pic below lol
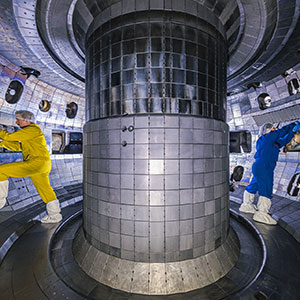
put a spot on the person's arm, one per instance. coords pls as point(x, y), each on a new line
point(282, 141)
point(286, 133)
point(13, 146)
point(286, 129)
point(24, 134)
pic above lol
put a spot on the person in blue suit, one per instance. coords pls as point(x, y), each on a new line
point(266, 156)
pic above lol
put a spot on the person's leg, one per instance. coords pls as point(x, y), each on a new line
point(43, 187)
point(3, 192)
point(248, 198)
point(15, 170)
point(42, 184)
point(265, 188)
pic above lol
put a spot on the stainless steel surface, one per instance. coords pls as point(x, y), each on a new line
point(157, 278)
point(143, 203)
point(26, 274)
point(238, 278)
point(166, 63)
point(140, 69)
point(275, 24)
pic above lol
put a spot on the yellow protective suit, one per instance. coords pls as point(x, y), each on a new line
point(36, 159)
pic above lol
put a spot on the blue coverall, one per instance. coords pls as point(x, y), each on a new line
point(266, 156)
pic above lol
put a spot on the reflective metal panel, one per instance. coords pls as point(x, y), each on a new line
point(153, 53)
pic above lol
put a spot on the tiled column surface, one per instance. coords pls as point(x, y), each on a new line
point(156, 62)
point(163, 196)
point(157, 193)
point(156, 141)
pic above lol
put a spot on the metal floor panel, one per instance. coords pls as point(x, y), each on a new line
point(280, 278)
point(26, 272)
point(239, 277)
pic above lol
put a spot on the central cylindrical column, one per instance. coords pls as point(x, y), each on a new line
point(156, 147)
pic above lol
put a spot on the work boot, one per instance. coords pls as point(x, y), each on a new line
point(262, 215)
point(247, 206)
point(3, 192)
point(53, 210)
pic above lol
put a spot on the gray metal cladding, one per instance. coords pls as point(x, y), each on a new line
point(163, 196)
point(156, 278)
point(156, 146)
point(156, 62)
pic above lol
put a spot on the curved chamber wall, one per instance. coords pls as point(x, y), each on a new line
point(156, 141)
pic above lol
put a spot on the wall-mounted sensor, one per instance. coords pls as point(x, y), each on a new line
point(44, 105)
point(14, 91)
point(71, 110)
point(293, 86)
point(264, 101)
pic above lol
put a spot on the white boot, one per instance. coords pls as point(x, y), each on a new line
point(262, 215)
point(3, 192)
point(247, 206)
point(53, 211)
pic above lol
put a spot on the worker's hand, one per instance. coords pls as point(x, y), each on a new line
point(297, 126)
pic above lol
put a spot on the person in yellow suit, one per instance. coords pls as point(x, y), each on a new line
point(36, 163)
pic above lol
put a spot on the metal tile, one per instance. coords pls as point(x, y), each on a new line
point(156, 198)
point(157, 279)
point(186, 242)
point(127, 196)
point(141, 182)
point(114, 240)
point(156, 182)
point(141, 213)
point(141, 166)
point(171, 167)
point(141, 244)
point(127, 242)
point(141, 280)
point(186, 196)
point(172, 213)
point(171, 197)
point(174, 278)
point(156, 244)
point(127, 212)
point(141, 197)
point(127, 227)
point(110, 271)
point(171, 182)
point(142, 229)
point(123, 280)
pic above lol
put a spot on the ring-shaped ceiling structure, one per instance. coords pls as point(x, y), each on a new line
point(262, 35)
